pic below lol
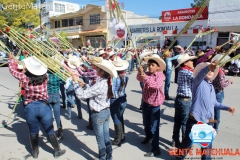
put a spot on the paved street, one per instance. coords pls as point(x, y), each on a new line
point(80, 143)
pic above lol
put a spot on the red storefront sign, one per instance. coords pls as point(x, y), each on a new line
point(183, 15)
point(120, 33)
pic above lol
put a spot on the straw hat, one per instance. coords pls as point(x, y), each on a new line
point(178, 46)
point(166, 54)
point(120, 64)
point(34, 66)
point(200, 54)
point(200, 66)
point(74, 60)
point(96, 60)
point(145, 54)
point(101, 52)
point(110, 54)
point(159, 60)
point(108, 67)
point(219, 56)
point(183, 58)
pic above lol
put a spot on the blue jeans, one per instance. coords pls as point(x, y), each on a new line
point(63, 94)
point(100, 122)
point(187, 142)
point(167, 82)
point(54, 102)
point(70, 97)
point(219, 97)
point(151, 120)
point(176, 74)
point(89, 110)
point(182, 107)
point(142, 85)
point(117, 107)
point(130, 66)
point(37, 113)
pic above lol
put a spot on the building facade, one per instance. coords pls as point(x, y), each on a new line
point(89, 24)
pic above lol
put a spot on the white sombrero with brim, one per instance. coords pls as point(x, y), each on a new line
point(74, 60)
point(120, 64)
point(108, 67)
point(200, 66)
point(145, 54)
point(184, 58)
point(110, 54)
point(159, 60)
point(35, 66)
point(101, 52)
point(178, 46)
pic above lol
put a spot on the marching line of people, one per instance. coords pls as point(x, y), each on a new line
point(100, 78)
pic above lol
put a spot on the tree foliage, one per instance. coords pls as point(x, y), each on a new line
point(64, 35)
point(197, 3)
point(19, 13)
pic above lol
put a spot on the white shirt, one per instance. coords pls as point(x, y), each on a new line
point(204, 48)
point(97, 94)
point(155, 51)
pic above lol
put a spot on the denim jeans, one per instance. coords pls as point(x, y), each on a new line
point(151, 120)
point(219, 97)
point(117, 107)
point(101, 127)
point(70, 97)
point(182, 107)
point(37, 113)
point(54, 102)
point(130, 66)
point(135, 63)
point(167, 82)
point(122, 109)
point(142, 85)
point(176, 75)
point(63, 94)
point(187, 142)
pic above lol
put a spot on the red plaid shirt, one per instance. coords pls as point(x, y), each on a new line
point(152, 90)
point(32, 93)
point(219, 83)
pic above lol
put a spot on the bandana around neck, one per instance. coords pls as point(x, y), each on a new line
point(186, 68)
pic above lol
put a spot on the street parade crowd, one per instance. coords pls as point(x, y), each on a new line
point(100, 77)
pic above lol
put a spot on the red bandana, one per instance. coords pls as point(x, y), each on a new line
point(186, 68)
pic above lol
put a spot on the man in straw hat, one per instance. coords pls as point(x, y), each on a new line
point(112, 55)
point(178, 51)
point(36, 108)
point(103, 54)
point(203, 104)
point(99, 95)
point(153, 97)
point(184, 94)
point(219, 83)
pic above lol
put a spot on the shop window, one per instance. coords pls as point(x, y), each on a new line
point(198, 43)
point(57, 24)
point(94, 19)
point(65, 23)
point(70, 22)
point(59, 7)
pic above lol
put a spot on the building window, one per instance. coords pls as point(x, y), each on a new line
point(70, 22)
point(79, 21)
point(57, 24)
point(65, 23)
point(94, 19)
point(59, 8)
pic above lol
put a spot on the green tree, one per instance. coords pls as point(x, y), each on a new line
point(64, 35)
point(197, 3)
point(19, 13)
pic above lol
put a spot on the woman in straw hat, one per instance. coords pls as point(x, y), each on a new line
point(118, 102)
point(71, 67)
point(153, 97)
point(168, 61)
point(203, 104)
point(36, 110)
point(100, 94)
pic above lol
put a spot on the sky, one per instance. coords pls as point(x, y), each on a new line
point(151, 8)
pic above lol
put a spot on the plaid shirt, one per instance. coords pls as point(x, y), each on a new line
point(53, 83)
point(152, 90)
point(97, 94)
point(32, 93)
point(219, 82)
point(185, 83)
point(91, 75)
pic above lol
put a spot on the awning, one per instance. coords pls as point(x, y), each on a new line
point(73, 37)
point(93, 31)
